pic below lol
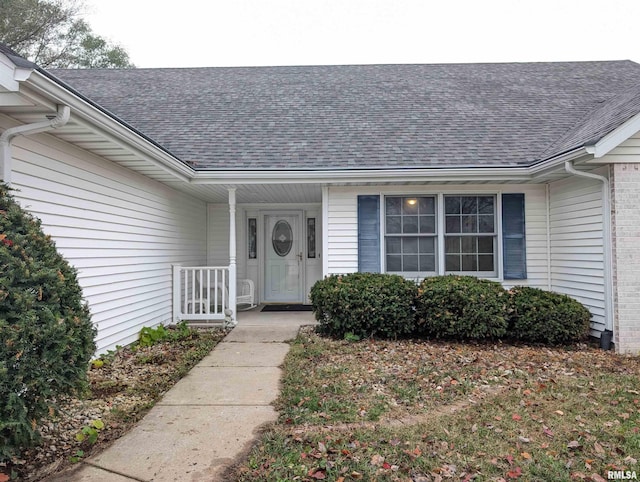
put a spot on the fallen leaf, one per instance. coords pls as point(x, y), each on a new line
point(4, 477)
point(598, 448)
point(574, 444)
point(597, 478)
point(386, 465)
point(526, 455)
point(516, 417)
point(547, 432)
point(356, 475)
point(377, 460)
point(317, 474)
point(524, 440)
point(515, 473)
point(559, 412)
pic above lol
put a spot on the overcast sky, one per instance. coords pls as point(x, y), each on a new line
point(200, 33)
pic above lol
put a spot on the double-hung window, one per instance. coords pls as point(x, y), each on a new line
point(423, 238)
point(410, 235)
point(470, 236)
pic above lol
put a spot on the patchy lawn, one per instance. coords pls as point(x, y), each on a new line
point(428, 411)
point(124, 385)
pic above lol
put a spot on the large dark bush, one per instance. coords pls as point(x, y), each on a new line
point(462, 307)
point(46, 334)
point(365, 304)
point(547, 317)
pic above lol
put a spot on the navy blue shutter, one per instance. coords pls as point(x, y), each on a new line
point(513, 237)
point(369, 234)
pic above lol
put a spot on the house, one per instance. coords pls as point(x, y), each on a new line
point(527, 173)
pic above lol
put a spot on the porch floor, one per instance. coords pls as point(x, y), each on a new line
point(211, 416)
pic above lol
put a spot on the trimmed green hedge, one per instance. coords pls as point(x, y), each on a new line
point(546, 317)
point(46, 334)
point(461, 307)
point(451, 307)
point(364, 304)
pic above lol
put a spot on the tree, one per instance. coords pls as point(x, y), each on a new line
point(46, 333)
point(52, 34)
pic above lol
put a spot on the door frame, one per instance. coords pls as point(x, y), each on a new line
point(262, 241)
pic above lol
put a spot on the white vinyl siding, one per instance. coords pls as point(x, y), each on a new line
point(120, 230)
point(576, 232)
point(342, 223)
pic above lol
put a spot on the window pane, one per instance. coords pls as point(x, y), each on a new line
point(485, 204)
point(252, 238)
point(485, 224)
point(469, 262)
point(410, 224)
point(427, 205)
point(393, 205)
point(452, 262)
point(410, 263)
point(427, 224)
point(452, 224)
point(394, 245)
point(410, 245)
point(427, 263)
point(469, 205)
point(485, 262)
point(394, 263)
point(485, 244)
point(469, 224)
point(410, 205)
point(394, 224)
point(452, 244)
point(427, 245)
point(469, 244)
point(452, 205)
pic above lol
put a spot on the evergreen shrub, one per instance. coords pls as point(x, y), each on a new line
point(546, 317)
point(461, 307)
point(364, 305)
point(46, 334)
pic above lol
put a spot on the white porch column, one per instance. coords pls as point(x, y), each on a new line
point(232, 253)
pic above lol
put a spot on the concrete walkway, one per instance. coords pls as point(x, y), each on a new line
point(208, 418)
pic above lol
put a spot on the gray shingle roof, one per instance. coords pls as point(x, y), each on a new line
point(368, 116)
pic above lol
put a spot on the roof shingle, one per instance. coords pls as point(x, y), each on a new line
point(368, 116)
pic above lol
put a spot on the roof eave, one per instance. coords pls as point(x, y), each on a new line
point(112, 127)
point(601, 147)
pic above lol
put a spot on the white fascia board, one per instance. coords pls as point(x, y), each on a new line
point(362, 175)
point(116, 131)
point(615, 137)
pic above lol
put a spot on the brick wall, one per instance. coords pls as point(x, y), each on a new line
point(625, 220)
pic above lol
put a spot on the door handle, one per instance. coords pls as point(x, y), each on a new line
point(299, 255)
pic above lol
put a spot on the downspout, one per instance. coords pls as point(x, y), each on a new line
point(64, 112)
point(606, 240)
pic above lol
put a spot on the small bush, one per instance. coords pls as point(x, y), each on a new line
point(547, 317)
point(364, 305)
point(46, 334)
point(462, 307)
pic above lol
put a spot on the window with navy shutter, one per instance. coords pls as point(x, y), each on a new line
point(369, 234)
point(513, 237)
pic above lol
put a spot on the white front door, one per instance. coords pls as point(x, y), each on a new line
point(283, 258)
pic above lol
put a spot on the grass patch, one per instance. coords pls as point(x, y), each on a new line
point(413, 410)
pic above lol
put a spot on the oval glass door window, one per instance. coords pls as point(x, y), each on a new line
point(282, 238)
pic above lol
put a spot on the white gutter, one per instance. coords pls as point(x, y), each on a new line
point(606, 239)
point(64, 112)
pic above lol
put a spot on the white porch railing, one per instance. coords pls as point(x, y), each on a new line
point(201, 294)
